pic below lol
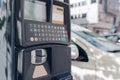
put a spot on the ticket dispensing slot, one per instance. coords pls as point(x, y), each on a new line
point(38, 56)
point(33, 64)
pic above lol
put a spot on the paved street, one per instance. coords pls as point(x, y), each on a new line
point(81, 73)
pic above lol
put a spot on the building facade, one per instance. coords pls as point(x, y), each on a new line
point(82, 11)
point(97, 15)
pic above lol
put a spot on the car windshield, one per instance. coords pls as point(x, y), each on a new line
point(97, 41)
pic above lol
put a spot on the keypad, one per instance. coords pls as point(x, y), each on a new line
point(46, 33)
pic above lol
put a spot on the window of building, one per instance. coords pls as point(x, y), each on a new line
point(75, 4)
point(71, 5)
point(71, 17)
point(83, 3)
point(79, 16)
point(93, 1)
point(84, 15)
point(75, 16)
point(79, 4)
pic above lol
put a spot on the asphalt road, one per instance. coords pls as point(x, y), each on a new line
point(80, 73)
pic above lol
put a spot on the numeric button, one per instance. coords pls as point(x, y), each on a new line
point(35, 30)
point(31, 39)
point(36, 39)
point(31, 30)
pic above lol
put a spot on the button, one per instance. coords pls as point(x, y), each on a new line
point(40, 39)
point(43, 39)
point(42, 30)
point(35, 30)
point(58, 35)
point(53, 39)
point(49, 34)
point(60, 31)
point(53, 35)
point(31, 30)
point(35, 26)
point(31, 39)
point(60, 28)
point(41, 26)
point(46, 30)
point(49, 38)
point(38, 30)
point(48, 27)
point(63, 39)
point(63, 28)
point(35, 34)
point(46, 38)
point(30, 25)
point(38, 26)
point(36, 39)
point(55, 27)
point(39, 34)
point(51, 26)
point(43, 35)
point(52, 31)
point(46, 34)
point(64, 35)
point(63, 31)
point(58, 38)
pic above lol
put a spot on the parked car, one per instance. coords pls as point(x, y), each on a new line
point(114, 37)
point(96, 58)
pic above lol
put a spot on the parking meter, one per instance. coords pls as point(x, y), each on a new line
point(38, 35)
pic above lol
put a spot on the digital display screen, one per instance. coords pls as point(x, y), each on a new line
point(35, 10)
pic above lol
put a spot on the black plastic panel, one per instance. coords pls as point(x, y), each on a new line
point(61, 60)
point(58, 63)
point(26, 68)
point(35, 33)
point(66, 76)
point(25, 38)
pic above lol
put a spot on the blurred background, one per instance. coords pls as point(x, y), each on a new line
point(95, 39)
point(100, 16)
